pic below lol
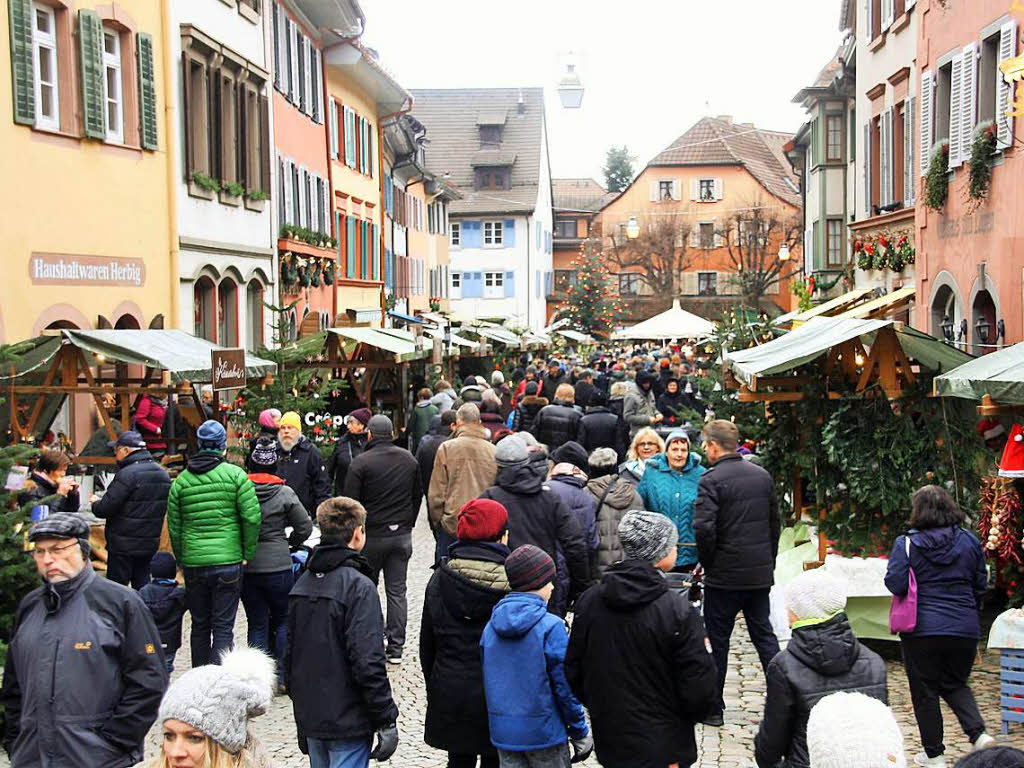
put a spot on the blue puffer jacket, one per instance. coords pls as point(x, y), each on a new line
point(951, 579)
point(674, 494)
point(529, 703)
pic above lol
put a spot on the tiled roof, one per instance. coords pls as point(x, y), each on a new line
point(491, 117)
point(492, 157)
point(578, 195)
point(453, 143)
point(719, 141)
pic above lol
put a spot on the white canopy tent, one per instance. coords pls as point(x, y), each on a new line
point(674, 323)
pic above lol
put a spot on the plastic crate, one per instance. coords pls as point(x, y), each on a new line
point(1011, 688)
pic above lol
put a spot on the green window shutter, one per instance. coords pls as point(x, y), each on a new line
point(90, 53)
point(22, 65)
point(350, 246)
point(376, 252)
point(147, 91)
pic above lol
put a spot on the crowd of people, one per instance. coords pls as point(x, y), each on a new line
point(607, 495)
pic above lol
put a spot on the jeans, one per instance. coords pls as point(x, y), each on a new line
point(211, 595)
point(338, 753)
point(463, 760)
point(721, 606)
point(939, 667)
point(125, 569)
point(391, 554)
point(169, 654)
point(552, 757)
point(265, 597)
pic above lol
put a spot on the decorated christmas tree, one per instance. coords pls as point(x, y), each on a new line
point(590, 303)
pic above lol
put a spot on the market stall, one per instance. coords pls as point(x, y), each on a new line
point(673, 323)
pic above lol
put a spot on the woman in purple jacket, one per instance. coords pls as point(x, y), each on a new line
point(951, 579)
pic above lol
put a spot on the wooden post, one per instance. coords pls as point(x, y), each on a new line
point(798, 496)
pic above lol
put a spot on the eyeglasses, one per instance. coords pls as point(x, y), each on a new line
point(646, 445)
point(39, 554)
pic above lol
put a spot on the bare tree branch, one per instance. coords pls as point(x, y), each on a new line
point(659, 252)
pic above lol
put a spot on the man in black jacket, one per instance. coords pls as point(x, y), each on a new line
point(348, 448)
point(822, 657)
point(134, 507)
point(583, 388)
point(554, 377)
point(538, 516)
point(599, 427)
point(441, 428)
point(636, 656)
point(300, 464)
point(385, 479)
point(737, 528)
point(334, 630)
point(559, 422)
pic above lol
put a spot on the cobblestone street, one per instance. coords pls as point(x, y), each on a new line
point(728, 747)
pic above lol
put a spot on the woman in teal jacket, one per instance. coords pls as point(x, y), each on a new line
point(669, 486)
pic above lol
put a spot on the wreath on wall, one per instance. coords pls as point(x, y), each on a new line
point(889, 250)
point(936, 182)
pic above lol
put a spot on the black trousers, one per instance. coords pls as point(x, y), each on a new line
point(128, 569)
point(391, 554)
point(939, 667)
point(461, 760)
point(721, 607)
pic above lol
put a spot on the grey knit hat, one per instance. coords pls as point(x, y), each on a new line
point(219, 699)
point(510, 451)
point(647, 536)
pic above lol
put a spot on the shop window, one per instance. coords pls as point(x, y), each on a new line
point(202, 307)
point(227, 313)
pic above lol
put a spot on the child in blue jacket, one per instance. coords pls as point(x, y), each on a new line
point(531, 710)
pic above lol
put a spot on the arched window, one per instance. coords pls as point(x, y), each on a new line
point(254, 315)
point(126, 321)
point(203, 308)
point(227, 313)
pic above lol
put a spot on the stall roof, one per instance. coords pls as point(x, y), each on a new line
point(180, 353)
point(404, 349)
point(494, 333)
point(883, 305)
point(461, 341)
point(582, 338)
point(820, 334)
point(826, 308)
point(998, 374)
point(404, 317)
point(674, 323)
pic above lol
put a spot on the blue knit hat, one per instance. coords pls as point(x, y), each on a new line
point(211, 436)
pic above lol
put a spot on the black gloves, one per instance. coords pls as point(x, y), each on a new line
point(387, 743)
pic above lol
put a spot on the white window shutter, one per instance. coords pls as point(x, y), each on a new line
point(969, 99)
point(925, 98)
point(1004, 90)
point(332, 126)
point(808, 252)
point(909, 180)
point(282, 49)
point(868, 19)
point(694, 189)
point(719, 189)
point(888, 11)
point(318, 72)
point(867, 169)
point(885, 158)
point(695, 236)
point(677, 191)
point(718, 237)
point(909, 4)
point(689, 286)
point(956, 91)
point(289, 214)
point(307, 52)
point(653, 191)
point(293, 77)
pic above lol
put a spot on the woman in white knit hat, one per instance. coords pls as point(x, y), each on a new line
point(205, 713)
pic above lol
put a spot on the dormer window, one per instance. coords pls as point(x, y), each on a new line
point(490, 135)
point(493, 178)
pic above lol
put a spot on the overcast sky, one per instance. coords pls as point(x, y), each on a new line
point(650, 68)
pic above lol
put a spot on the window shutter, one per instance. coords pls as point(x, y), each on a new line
point(925, 96)
point(968, 99)
point(350, 246)
point(265, 144)
point(869, 18)
point(695, 236)
point(909, 181)
point(717, 237)
point(677, 189)
point(375, 235)
point(307, 80)
point(369, 149)
point(350, 138)
point(719, 189)
point(508, 233)
point(293, 75)
point(147, 91)
point(956, 91)
point(318, 76)
point(1004, 90)
point(275, 22)
point(652, 196)
point(909, 4)
point(694, 189)
point(286, 170)
point(867, 169)
point(364, 262)
point(887, 14)
point(884, 158)
point(90, 54)
point(332, 127)
point(20, 15)
point(808, 252)
point(689, 283)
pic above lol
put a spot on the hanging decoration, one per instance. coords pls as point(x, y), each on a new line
point(936, 181)
point(889, 250)
point(983, 149)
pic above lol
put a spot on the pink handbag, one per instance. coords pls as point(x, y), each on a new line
point(903, 611)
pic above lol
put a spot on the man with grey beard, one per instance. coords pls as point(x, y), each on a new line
point(300, 464)
point(85, 671)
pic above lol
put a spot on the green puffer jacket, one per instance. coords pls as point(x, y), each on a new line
point(213, 515)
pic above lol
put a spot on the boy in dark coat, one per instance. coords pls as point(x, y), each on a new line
point(527, 409)
point(459, 599)
point(822, 657)
point(637, 656)
point(166, 601)
point(599, 427)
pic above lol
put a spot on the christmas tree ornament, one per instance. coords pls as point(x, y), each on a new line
point(1012, 463)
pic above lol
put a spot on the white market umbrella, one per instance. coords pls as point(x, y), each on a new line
point(674, 323)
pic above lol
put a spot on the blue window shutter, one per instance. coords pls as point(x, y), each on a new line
point(536, 284)
point(376, 252)
point(547, 282)
point(510, 284)
point(350, 246)
point(475, 231)
point(472, 285)
point(508, 233)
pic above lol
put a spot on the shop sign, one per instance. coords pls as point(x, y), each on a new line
point(228, 368)
point(77, 269)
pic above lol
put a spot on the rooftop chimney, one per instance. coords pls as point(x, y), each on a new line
point(520, 105)
point(725, 118)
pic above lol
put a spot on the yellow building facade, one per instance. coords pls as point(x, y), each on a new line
point(86, 230)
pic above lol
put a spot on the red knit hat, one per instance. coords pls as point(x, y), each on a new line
point(1012, 464)
point(482, 520)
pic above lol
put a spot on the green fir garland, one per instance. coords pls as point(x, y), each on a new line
point(936, 183)
point(983, 149)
